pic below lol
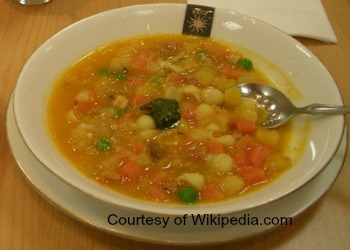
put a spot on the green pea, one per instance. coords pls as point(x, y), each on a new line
point(188, 195)
point(245, 63)
point(103, 144)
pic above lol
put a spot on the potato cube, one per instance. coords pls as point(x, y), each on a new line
point(205, 75)
point(267, 137)
point(232, 97)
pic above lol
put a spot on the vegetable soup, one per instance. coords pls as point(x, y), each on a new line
point(159, 118)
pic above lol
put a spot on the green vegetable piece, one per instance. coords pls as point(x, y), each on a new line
point(103, 144)
point(245, 63)
point(118, 112)
point(155, 80)
point(104, 71)
point(113, 112)
point(165, 112)
point(188, 195)
point(119, 75)
point(108, 73)
point(201, 54)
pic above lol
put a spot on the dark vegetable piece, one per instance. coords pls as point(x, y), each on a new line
point(165, 112)
point(188, 195)
point(245, 63)
point(156, 151)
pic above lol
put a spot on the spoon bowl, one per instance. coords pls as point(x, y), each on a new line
point(279, 108)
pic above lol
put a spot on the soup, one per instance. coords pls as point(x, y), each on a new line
point(159, 118)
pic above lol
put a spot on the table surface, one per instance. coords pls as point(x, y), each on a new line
point(29, 221)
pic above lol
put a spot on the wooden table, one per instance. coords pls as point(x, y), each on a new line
point(28, 221)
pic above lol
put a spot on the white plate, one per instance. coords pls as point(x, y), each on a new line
point(291, 57)
point(95, 213)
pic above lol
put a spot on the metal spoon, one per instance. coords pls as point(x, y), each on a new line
point(279, 108)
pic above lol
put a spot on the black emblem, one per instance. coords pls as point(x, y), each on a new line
point(198, 20)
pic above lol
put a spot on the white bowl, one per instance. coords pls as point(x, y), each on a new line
point(294, 61)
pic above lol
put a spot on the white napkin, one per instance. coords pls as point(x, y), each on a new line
point(304, 18)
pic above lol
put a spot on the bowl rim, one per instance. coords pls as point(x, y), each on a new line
point(149, 207)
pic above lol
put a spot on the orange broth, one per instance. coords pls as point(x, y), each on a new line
point(100, 116)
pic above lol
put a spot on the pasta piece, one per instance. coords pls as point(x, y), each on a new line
point(191, 90)
point(212, 96)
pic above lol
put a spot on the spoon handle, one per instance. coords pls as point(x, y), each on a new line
point(329, 109)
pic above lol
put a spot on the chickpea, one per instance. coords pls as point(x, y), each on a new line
point(145, 122)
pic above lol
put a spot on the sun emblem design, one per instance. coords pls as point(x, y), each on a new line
point(198, 20)
point(198, 23)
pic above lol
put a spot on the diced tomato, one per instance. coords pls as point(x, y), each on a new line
point(245, 126)
point(212, 192)
point(126, 117)
point(216, 51)
point(175, 78)
point(138, 147)
point(241, 158)
point(252, 175)
point(139, 62)
point(215, 147)
point(231, 72)
point(189, 114)
point(157, 192)
point(247, 141)
point(85, 98)
point(131, 170)
point(138, 100)
point(227, 70)
point(258, 155)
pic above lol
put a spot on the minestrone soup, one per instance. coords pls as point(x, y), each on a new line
point(159, 118)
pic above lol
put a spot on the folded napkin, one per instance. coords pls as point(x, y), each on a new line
point(304, 18)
